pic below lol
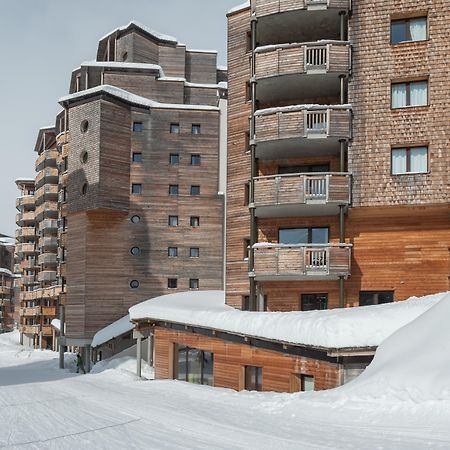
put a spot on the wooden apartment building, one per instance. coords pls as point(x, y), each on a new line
point(7, 283)
point(338, 178)
point(141, 207)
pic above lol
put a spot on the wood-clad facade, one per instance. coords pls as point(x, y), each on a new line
point(142, 211)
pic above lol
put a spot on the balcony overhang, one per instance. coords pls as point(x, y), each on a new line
point(313, 208)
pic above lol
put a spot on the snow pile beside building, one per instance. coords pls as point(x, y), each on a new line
point(364, 326)
point(413, 363)
point(111, 331)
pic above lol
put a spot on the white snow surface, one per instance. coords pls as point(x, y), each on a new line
point(112, 409)
point(56, 324)
point(113, 330)
point(239, 7)
point(134, 99)
point(364, 326)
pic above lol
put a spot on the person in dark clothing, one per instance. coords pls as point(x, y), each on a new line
point(80, 365)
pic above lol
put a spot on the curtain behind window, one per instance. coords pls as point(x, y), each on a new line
point(419, 158)
point(418, 91)
point(418, 29)
point(398, 161)
point(398, 95)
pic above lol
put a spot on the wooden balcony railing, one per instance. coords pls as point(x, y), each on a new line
point(30, 312)
point(47, 175)
point(268, 7)
point(47, 330)
point(25, 232)
point(25, 218)
point(47, 157)
point(48, 224)
point(25, 202)
point(46, 192)
point(301, 261)
point(48, 311)
point(290, 59)
point(47, 275)
point(48, 242)
point(25, 248)
point(47, 209)
point(30, 329)
point(47, 258)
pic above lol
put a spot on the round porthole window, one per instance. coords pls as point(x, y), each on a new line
point(84, 126)
point(84, 157)
point(135, 219)
point(84, 189)
point(134, 284)
point(135, 251)
point(124, 56)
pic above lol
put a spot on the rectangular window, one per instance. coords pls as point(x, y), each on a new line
point(303, 235)
point(174, 159)
point(136, 189)
point(248, 91)
point(194, 252)
point(412, 93)
point(193, 283)
point(246, 248)
point(253, 378)
point(173, 221)
point(307, 383)
point(310, 302)
point(375, 297)
point(137, 157)
point(172, 283)
point(138, 127)
point(195, 128)
point(194, 365)
point(195, 160)
point(408, 30)
point(246, 194)
point(195, 190)
point(195, 221)
point(173, 189)
point(172, 252)
point(409, 160)
point(175, 128)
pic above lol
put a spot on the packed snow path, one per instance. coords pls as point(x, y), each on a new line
point(45, 408)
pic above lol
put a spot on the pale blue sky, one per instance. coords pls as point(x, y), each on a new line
point(42, 41)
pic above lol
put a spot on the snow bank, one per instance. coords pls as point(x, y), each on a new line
point(365, 326)
point(113, 330)
point(411, 364)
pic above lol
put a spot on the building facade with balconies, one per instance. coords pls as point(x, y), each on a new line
point(7, 284)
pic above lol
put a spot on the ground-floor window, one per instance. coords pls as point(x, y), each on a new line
point(253, 378)
point(309, 302)
point(194, 365)
point(375, 297)
point(302, 382)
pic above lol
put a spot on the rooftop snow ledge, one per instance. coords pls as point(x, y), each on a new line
point(365, 326)
point(133, 99)
point(239, 7)
point(112, 331)
point(123, 65)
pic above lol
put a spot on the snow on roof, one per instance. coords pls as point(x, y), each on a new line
point(123, 65)
point(291, 108)
point(365, 326)
point(412, 363)
point(56, 323)
point(6, 271)
point(223, 84)
point(222, 67)
point(113, 330)
point(196, 50)
point(24, 180)
point(155, 34)
point(6, 240)
point(48, 127)
point(239, 7)
point(133, 99)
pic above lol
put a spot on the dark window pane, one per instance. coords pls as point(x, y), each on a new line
point(293, 236)
point(182, 366)
point(173, 221)
point(138, 127)
point(398, 31)
point(174, 159)
point(195, 160)
point(208, 368)
point(173, 189)
point(137, 157)
point(195, 358)
point(136, 189)
point(310, 302)
point(304, 169)
point(173, 251)
point(375, 297)
point(195, 190)
point(194, 252)
point(195, 221)
point(174, 127)
point(193, 283)
point(319, 236)
point(172, 283)
point(195, 128)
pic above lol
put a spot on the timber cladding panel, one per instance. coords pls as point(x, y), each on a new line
point(230, 358)
point(376, 63)
point(238, 218)
point(201, 66)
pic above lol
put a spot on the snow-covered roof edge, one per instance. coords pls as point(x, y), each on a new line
point(113, 330)
point(24, 180)
point(239, 7)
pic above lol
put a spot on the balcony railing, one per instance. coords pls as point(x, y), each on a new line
point(48, 311)
point(25, 233)
point(47, 258)
point(28, 280)
point(46, 192)
point(47, 330)
point(48, 224)
point(268, 7)
point(6, 290)
point(47, 275)
point(47, 175)
point(47, 210)
point(30, 329)
point(27, 248)
point(301, 130)
point(25, 218)
point(25, 202)
point(301, 194)
point(30, 312)
point(301, 261)
point(48, 242)
point(46, 159)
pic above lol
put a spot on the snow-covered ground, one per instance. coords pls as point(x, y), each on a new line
point(401, 402)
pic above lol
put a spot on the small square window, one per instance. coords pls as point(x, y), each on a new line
point(195, 128)
point(172, 283)
point(174, 159)
point(173, 189)
point(137, 157)
point(195, 190)
point(138, 127)
point(194, 252)
point(195, 221)
point(173, 221)
point(195, 160)
point(136, 189)
point(175, 128)
point(193, 283)
point(172, 252)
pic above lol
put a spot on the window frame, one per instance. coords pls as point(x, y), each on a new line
point(133, 185)
point(192, 219)
point(194, 248)
point(195, 190)
point(173, 126)
point(169, 220)
point(408, 93)
point(174, 250)
point(138, 127)
point(195, 156)
point(174, 155)
point(310, 230)
point(138, 161)
point(197, 127)
point(169, 282)
point(175, 189)
point(408, 160)
point(316, 295)
point(194, 283)
point(407, 21)
point(257, 386)
point(373, 293)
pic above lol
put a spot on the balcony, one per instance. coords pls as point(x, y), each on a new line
point(47, 330)
point(25, 203)
point(48, 210)
point(297, 20)
point(6, 290)
point(301, 261)
point(25, 249)
point(48, 192)
point(30, 329)
point(25, 233)
point(28, 280)
point(47, 275)
point(48, 311)
point(30, 312)
point(47, 259)
point(50, 292)
point(29, 263)
point(25, 219)
point(48, 175)
point(301, 130)
point(50, 242)
point(46, 159)
point(314, 68)
point(300, 194)
point(50, 225)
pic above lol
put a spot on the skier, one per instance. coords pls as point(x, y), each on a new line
point(80, 364)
